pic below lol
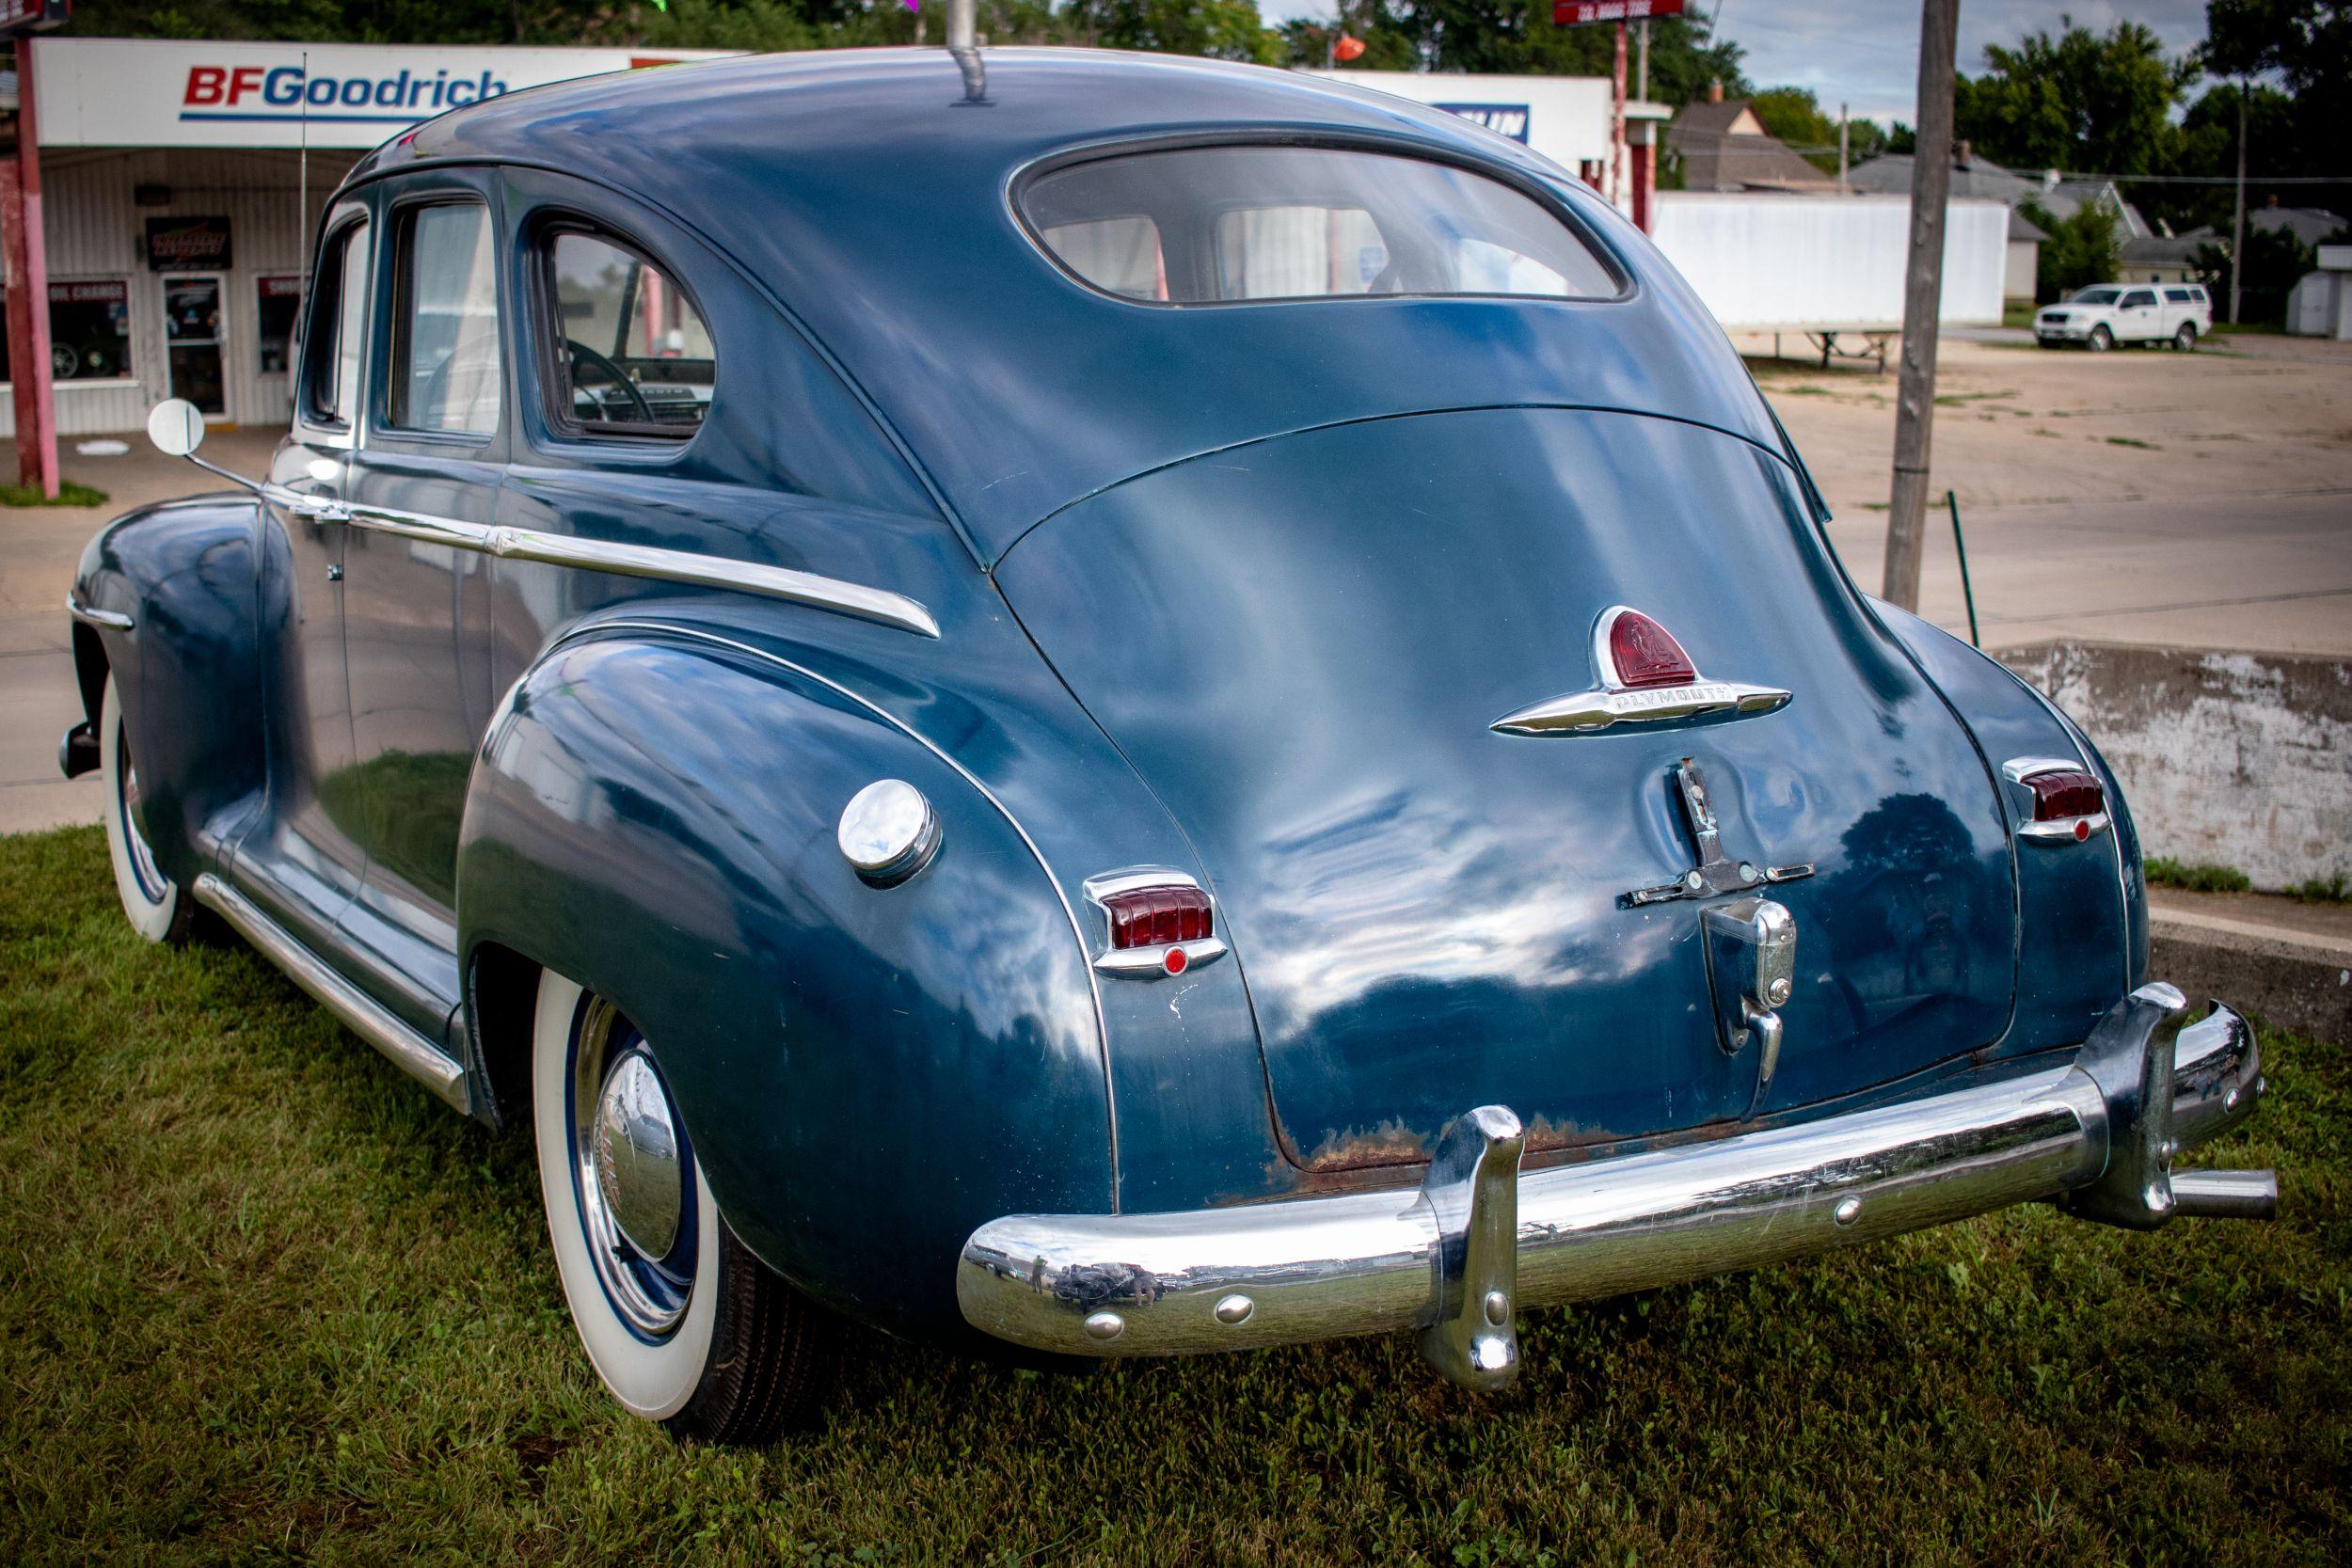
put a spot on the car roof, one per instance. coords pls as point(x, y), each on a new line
point(861, 189)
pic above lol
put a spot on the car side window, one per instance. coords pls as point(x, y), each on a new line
point(2138, 299)
point(2179, 297)
point(330, 357)
point(446, 360)
point(632, 355)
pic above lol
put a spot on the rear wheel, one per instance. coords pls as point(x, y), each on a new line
point(2186, 339)
point(683, 1324)
point(156, 905)
point(2101, 340)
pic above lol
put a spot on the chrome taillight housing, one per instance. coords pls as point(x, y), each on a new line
point(2061, 801)
point(1155, 921)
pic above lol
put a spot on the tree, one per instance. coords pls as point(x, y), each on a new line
point(2308, 44)
point(2082, 101)
point(2079, 251)
point(1518, 36)
point(1793, 116)
point(2274, 262)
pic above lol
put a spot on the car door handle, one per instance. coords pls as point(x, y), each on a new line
point(317, 509)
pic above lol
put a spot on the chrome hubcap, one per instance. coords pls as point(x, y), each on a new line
point(634, 1149)
point(633, 1169)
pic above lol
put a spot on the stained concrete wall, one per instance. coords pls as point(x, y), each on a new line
point(2227, 758)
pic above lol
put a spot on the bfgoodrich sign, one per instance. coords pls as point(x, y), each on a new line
point(140, 92)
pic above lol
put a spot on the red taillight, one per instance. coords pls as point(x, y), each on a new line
point(1647, 654)
point(1155, 916)
point(2063, 793)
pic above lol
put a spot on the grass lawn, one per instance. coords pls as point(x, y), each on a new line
point(262, 1299)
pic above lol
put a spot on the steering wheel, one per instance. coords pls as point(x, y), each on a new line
point(583, 354)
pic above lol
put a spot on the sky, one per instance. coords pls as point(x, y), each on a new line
point(1866, 52)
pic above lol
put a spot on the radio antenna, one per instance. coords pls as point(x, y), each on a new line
point(302, 182)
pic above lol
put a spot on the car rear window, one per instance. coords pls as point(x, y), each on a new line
point(1221, 225)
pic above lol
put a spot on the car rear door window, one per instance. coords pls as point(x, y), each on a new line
point(632, 356)
point(1221, 225)
point(2139, 299)
point(446, 357)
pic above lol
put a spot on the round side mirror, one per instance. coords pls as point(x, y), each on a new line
point(176, 427)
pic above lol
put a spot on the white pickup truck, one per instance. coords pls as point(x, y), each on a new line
point(2106, 314)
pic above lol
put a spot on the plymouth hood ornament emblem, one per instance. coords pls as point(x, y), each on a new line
point(1646, 678)
point(1716, 872)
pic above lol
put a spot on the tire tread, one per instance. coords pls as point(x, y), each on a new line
point(768, 1372)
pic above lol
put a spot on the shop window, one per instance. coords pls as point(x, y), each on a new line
point(278, 301)
point(634, 357)
point(330, 359)
point(446, 359)
point(89, 331)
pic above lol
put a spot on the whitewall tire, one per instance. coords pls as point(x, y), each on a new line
point(152, 902)
point(683, 1324)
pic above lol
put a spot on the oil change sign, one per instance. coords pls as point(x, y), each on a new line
point(150, 93)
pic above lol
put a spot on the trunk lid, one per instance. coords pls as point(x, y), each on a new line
point(1302, 643)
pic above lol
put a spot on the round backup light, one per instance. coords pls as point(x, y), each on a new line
point(888, 831)
point(1175, 961)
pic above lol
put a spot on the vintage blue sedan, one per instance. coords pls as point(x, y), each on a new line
point(1110, 707)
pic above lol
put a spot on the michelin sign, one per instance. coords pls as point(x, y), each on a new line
point(139, 92)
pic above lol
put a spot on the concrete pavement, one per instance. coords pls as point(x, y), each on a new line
point(39, 547)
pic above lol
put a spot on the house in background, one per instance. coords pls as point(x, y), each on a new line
point(2025, 257)
point(2321, 305)
point(1722, 145)
point(1979, 177)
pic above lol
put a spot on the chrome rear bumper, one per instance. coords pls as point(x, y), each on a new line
point(1459, 1255)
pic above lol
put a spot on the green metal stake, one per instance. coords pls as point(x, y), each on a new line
point(1952, 500)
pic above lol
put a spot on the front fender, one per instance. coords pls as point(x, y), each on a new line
point(2083, 929)
point(187, 670)
point(866, 1073)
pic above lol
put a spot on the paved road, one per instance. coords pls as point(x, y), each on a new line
point(2269, 573)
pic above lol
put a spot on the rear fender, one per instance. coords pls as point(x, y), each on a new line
point(866, 1073)
point(187, 670)
point(2082, 924)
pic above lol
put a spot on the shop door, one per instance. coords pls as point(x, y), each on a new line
point(196, 330)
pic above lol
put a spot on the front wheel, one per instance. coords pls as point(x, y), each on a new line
point(2101, 340)
point(683, 1324)
point(2186, 339)
point(157, 908)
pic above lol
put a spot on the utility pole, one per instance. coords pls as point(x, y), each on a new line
point(1923, 297)
point(2237, 223)
point(1643, 91)
point(1842, 124)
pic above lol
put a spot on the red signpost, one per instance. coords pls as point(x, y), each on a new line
point(27, 261)
point(1582, 13)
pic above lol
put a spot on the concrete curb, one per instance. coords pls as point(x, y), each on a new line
point(2287, 979)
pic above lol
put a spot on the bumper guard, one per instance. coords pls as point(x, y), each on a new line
point(1459, 1256)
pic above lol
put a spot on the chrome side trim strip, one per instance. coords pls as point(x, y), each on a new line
point(634, 561)
point(409, 1050)
point(113, 620)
